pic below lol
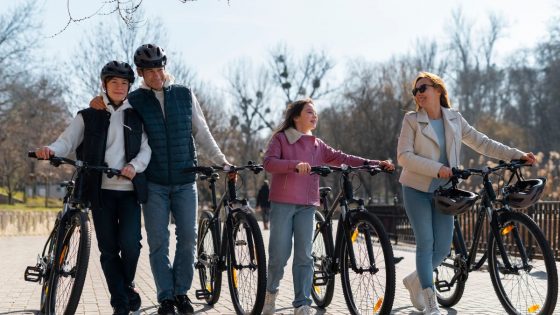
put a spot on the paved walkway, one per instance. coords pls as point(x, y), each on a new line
point(20, 297)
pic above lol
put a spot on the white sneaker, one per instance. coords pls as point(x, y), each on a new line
point(303, 310)
point(430, 300)
point(412, 284)
point(269, 303)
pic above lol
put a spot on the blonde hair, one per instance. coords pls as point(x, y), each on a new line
point(438, 84)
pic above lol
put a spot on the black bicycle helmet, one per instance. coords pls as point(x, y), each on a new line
point(525, 193)
point(453, 201)
point(117, 69)
point(150, 56)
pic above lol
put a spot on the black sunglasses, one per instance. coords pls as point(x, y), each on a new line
point(421, 89)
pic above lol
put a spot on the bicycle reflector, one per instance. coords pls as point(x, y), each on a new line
point(525, 193)
point(453, 201)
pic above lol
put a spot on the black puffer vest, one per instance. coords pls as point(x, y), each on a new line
point(92, 151)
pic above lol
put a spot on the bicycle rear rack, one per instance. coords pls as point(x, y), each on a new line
point(33, 274)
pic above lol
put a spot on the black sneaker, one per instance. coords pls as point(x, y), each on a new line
point(166, 307)
point(120, 310)
point(183, 305)
point(134, 300)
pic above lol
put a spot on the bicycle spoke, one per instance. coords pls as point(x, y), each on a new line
point(246, 271)
point(524, 283)
point(370, 285)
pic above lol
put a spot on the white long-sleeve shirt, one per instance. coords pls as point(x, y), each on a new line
point(71, 138)
point(201, 132)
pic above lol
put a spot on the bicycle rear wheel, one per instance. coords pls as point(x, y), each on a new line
point(370, 289)
point(70, 265)
point(246, 264)
point(209, 272)
point(449, 293)
point(522, 267)
point(323, 255)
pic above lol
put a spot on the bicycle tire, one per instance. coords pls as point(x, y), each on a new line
point(537, 285)
point(247, 278)
point(367, 229)
point(445, 272)
point(323, 256)
point(70, 265)
point(208, 258)
point(48, 258)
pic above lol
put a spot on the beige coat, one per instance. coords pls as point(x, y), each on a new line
point(418, 150)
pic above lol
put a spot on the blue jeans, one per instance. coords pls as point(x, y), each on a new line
point(181, 201)
point(433, 231)
point(287, 220)
point(117, 228)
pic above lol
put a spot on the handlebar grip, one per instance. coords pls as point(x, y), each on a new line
point(31, 154)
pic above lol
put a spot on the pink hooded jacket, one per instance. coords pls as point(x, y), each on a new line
point(290, 147)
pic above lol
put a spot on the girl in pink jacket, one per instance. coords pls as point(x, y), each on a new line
point(294, 195)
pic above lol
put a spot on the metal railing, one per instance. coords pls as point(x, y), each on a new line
point(545, 213)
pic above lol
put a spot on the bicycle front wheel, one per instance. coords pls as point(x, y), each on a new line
point(522, 267)
point(323, 254)
point(209, 272)
point(369, 286)
point(70, 265)
point(246, 264)
point(47, 258)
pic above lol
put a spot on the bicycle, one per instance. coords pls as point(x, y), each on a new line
point(238, 247)
point(362, 253)
point(520, 261)
point(62, 266)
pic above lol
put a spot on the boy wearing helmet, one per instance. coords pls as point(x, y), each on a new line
point(114, 137)
point(173, 119)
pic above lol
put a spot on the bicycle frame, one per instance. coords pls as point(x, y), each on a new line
point(230, 205)
point(486, 209)
point(344, 199)
point(50, 267)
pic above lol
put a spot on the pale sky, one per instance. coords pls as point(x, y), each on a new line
point(210, 34)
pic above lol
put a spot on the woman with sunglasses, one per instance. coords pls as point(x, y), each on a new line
point(429, 146)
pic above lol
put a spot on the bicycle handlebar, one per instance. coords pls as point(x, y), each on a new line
point(56, 161)
point(326, 170)
point(466, 173)
point(208, 170)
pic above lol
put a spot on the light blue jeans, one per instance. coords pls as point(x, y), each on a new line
point(181, 201)
point(287, 220)
point(433, 231)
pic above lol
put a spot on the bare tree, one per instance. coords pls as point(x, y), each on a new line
point(36, 115)
point(109, 41)
point(127, 12)
point(250, 93)
point(300, 78)
point(18, 40)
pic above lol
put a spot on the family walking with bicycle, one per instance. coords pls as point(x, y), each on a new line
point(146, 138)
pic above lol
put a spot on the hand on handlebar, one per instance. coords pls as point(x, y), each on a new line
point(387, 165)
point(529, 158)
point(445, 172)
point(128, 171)
point(303, 168)
point(44, 153)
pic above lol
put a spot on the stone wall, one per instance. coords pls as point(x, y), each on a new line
point(26, 222)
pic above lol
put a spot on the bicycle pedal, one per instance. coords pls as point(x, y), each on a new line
point(33, 274)
point(202, 294)
point(320, 278)
point(442, 286)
